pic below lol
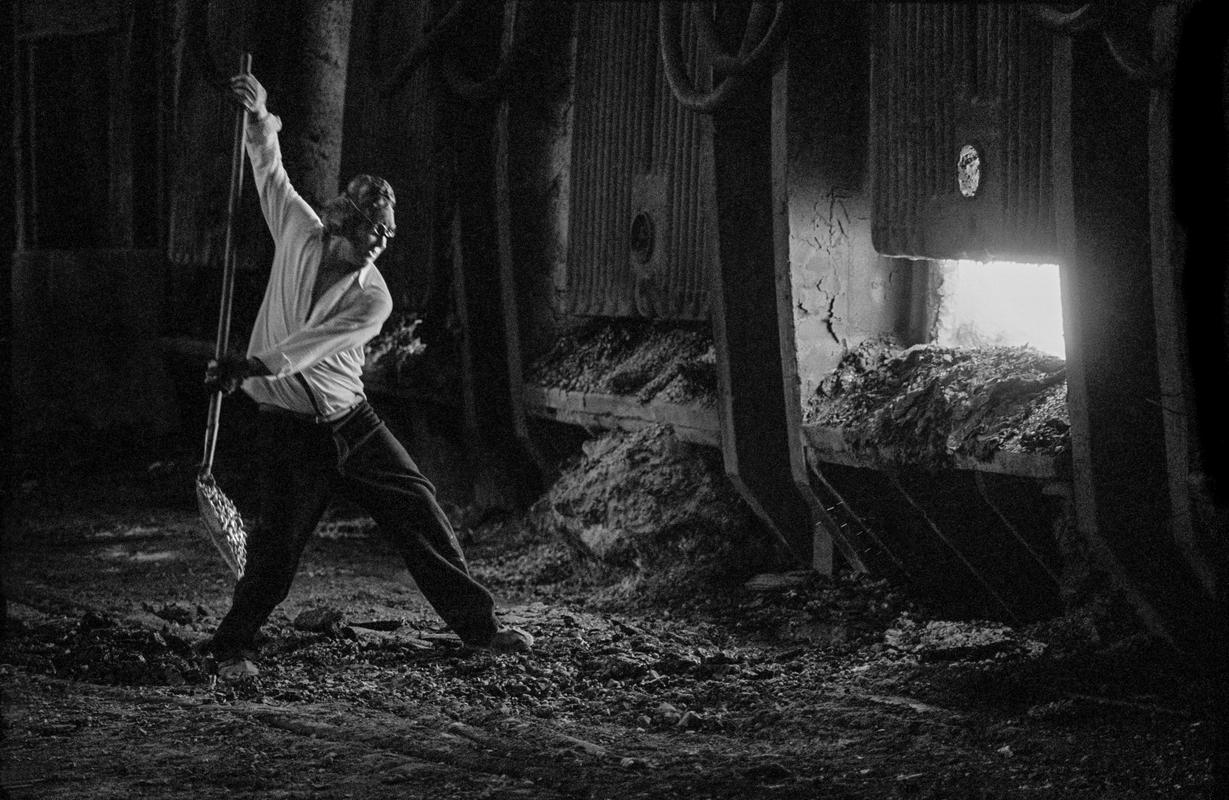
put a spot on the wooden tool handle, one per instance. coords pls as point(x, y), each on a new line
point(228, 273)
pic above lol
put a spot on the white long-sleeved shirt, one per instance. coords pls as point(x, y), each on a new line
point(323, 343)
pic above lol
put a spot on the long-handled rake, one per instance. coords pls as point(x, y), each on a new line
point(219, 515)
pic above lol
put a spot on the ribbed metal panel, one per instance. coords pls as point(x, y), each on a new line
point(945, 75)
point(635, 152)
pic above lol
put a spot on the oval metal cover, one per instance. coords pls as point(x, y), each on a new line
point(968, 170)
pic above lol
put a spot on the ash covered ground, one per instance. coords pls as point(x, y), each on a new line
point(677, 659)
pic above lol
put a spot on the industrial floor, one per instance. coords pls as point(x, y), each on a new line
point(787, 686)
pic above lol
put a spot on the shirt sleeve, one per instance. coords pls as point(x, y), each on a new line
point(352, 325)
point(283, 208)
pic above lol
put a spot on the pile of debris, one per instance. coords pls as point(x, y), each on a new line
point(927, 404)
point(100, 649)
point(950, 640)
point(652, 361)
point(655, 511)
point(841, 612)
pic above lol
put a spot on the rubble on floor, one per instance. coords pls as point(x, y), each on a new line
point(100, 649)
point(947, 640)
point(778, 684)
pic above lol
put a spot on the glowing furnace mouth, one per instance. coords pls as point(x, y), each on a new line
point(1000, 304)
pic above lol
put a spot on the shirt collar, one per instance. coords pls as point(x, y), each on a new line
point(365, 272)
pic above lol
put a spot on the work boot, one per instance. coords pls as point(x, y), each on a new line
point(507, 640)
point(229, 663)
point(237, 669)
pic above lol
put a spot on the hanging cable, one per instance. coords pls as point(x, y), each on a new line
point(764, 33)
point(731, 73)
point(446, 27)
point(496, 84)
point(436, 43)
point(1149, 70)
point(1139, 67)
point(668, 30)
point(1067, 22)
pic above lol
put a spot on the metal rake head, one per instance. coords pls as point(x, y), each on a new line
point(222, 523)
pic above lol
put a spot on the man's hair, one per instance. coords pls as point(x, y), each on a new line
point(364, 195)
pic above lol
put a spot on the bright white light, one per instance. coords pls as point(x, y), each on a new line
point(1000, 303)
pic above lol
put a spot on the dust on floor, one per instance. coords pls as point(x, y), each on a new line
point(784, 686)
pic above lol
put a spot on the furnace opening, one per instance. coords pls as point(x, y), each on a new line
point(999, 304)
point(986, 388)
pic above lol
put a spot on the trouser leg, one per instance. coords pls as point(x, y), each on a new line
point(297, 464)
point(379, 475)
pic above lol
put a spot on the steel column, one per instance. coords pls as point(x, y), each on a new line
point(1121, 490)
point(753, 323)
point(475, 140)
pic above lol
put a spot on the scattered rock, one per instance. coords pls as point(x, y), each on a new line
point(778, 581)
point(319, 620)
point(768, 772)
point(818, 633)
point(943, 640)
point(668, 714)
point(621, 668)
point(690, 721)
point(379, 624)
point(179, 614)
point(1052, 710)
point(676, 664)
point(92, 620)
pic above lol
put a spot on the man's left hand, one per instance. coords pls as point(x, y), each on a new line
point(226, 374)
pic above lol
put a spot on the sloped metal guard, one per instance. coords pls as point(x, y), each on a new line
point(636, 233)
point(961, 126)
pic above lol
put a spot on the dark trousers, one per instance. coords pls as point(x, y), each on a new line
point(302, 464)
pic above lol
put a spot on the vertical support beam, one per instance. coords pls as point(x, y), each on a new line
point(30, 210)
point(1121, 491)
point(17, 62)
point(492, 394)
point(514, 368)
point(10, 216)
point(1200, 182)
point(164, 119)
point(1167, 280)
point(119, 134)
point(468, 129)
point(312, 145)
point(10, 160)
point(753, 323)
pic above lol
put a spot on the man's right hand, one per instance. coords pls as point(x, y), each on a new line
point(251, 95)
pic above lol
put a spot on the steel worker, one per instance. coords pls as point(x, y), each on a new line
point(317, 434)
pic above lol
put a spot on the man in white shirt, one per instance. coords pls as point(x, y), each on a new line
point(325, 299)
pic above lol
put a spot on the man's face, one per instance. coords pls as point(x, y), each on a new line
point(375, 230)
